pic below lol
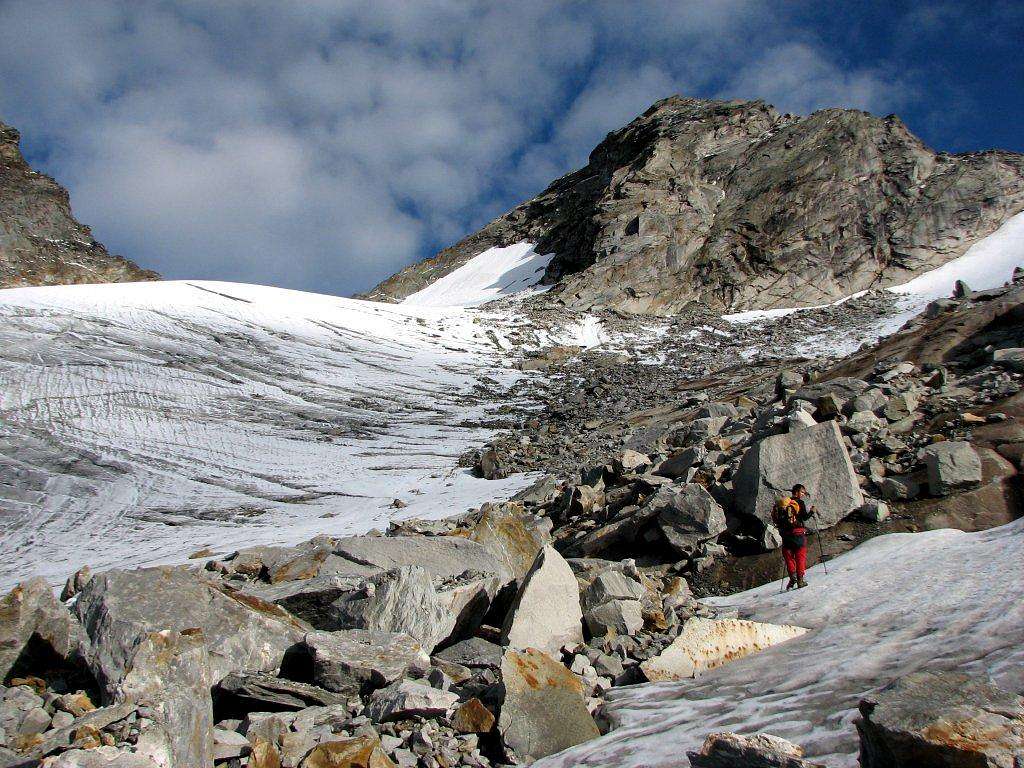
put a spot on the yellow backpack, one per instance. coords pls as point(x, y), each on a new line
point(784, 515)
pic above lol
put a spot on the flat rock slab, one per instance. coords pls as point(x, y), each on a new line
point(546, 613)
point(358, 661)
point(544, 711)
point(406, 698)
point(474, 652)
point(263, 692)
point(815, 457)
point(441, 556)
point(708, 643)
point(928, 719)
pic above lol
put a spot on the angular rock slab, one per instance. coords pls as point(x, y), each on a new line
point(815, 457)
point(704, 644)
point(169, 672)
point(930, 719)
point(31, 609)
point(358, 661)
point(688, 516)
point(117, 608)
point(400, 600)
point(546, 613)
point(544, 711)
point(730, 750)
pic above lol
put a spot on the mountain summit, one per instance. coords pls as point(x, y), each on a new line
point(41, 243)
point(732, 204)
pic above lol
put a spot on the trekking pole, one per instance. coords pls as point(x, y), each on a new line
point(821, 551)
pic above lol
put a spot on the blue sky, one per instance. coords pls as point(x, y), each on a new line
point(322, 145)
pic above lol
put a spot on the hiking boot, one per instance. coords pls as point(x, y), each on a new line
point(801, 584)
point(791, 584)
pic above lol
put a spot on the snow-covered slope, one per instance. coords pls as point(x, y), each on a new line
point(896, 604)
point(141, 422)
point(495, 273)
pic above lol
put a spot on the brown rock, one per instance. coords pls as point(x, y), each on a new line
point(264, 755)
point(473, 717)
point(360, 752)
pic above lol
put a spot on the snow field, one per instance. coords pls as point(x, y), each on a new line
point(896, 604)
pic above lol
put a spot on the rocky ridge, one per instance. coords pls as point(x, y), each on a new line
point(41, 243)
point(734, 206)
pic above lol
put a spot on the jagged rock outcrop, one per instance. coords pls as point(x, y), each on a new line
point(41, 243)
point(734, 205)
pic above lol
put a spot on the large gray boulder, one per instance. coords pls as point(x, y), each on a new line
point(358, 661)
point(688, 516)
point(546, 612)
point(119, 608)
point(730, 750)
point(400, 600)
point(815, 457)
point(933, 720)
point(952, 466)
point(544, 711)
point(169, 673)
point(31, 609)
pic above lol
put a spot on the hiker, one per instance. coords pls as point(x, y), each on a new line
point(789, 516)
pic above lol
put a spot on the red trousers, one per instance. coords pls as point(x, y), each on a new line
point(796, 561)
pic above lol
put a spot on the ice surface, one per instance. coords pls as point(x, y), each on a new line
point(492, 274)
point(894, 605)
point(141, 422)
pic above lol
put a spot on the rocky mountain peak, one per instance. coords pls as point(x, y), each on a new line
point(41, 243)
point(734, 205)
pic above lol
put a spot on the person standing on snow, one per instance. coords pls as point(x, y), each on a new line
point(789, 516)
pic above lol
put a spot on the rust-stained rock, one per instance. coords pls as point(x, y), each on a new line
point(264, 755)
point(473, 717)
point(933, 720)
point(544, 710)
point(708, 643)
point(510, 535)
point(360, 752)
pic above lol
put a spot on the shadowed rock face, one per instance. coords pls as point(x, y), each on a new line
point(731, 204)
point(41, 243)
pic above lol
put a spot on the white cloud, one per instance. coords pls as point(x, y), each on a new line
point(321, 144)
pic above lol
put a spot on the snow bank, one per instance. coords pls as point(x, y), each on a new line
point(896, 604)
point(141, 422)
point(494, 273)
